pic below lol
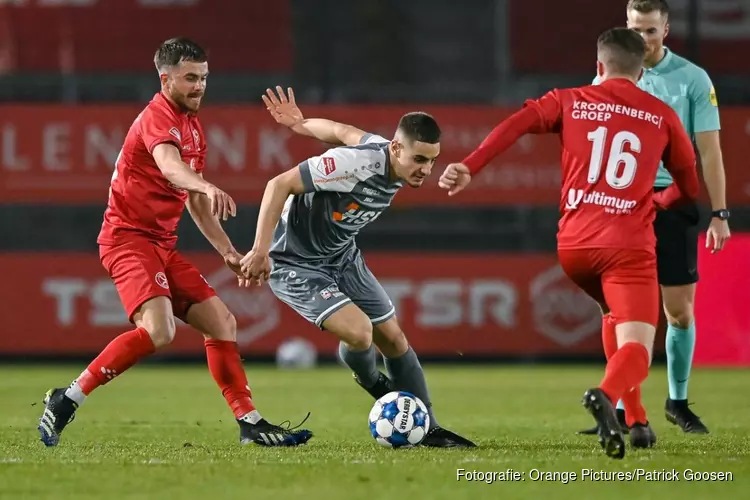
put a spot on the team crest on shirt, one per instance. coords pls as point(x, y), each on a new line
point(712, 97)
point(175, 133)
point(161, 280)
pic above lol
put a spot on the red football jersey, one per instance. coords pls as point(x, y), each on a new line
point(613, 137)
point(142, 202)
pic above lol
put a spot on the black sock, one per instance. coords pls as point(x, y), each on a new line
point(362, 363)
point(407, 375)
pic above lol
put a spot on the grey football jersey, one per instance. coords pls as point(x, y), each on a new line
point(346, 188)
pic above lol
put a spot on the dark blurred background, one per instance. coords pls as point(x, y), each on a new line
point(475, 276)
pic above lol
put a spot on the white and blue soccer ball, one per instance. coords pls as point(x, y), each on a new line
point(399, 420)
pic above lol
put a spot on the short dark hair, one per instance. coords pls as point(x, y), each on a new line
point(622, 50)
point(648, 6)
point(419, 126)
point(176, 50)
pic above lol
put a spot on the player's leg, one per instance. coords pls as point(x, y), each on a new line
point(631, 291)
point(196, 303)
point(677, 261)
point(137, 270)
point(401, 362)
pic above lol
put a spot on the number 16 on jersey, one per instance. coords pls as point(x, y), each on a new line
point(621, 165)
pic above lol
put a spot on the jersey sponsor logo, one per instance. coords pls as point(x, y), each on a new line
point(353, 215)
point(327, 166)
point(712, 97)
point(175, 133)
point(602, 112)
point(611, 204)
point(161, 280)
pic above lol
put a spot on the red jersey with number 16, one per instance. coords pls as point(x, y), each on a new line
point(613, 137)
point(142, 202)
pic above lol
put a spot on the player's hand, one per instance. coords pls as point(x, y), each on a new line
point(233, 261)
point(256, 266)
point(222, 205)
point(455, 178)
point(284, 110)
point(717, 234)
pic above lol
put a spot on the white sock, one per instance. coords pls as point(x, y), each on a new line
point(75, 393)
point(251, 418)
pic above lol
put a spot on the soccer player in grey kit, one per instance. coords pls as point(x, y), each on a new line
point(305, 243)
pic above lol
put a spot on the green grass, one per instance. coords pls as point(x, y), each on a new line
point(166, 433)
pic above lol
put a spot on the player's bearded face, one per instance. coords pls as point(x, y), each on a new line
point(653, 27)
point(186, 83)
point(415, 160)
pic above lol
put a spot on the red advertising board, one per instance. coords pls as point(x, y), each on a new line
point(61, 154)
point(448, 305)
point(563, 40)
point(122, 35)
point(722, 305)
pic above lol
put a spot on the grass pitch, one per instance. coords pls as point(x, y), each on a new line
point(164, 432)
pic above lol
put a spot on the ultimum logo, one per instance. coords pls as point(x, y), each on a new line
point(354, 215)
point(611, 204)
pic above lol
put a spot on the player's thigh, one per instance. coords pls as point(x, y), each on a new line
point(676, 233)
point(631, 288)
point(351, 326)
point(312, 293)
point(581, 266)
point(189, 288)
point(390, 338)
point(359, 284)
point(137, 269)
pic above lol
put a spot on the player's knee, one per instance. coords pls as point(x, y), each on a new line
point(680, 316)
point(161, 333)
point(358, 337)
point(393, 345)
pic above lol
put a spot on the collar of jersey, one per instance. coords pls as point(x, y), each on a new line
point(171, 104)
point(661, 64)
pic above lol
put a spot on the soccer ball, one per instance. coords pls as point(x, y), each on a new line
point(399, 420)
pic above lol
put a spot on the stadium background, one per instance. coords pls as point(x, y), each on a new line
point(472, 277)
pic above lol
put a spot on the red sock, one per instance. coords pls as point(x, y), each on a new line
point(122, 353)
point(609, 336)
point(225, 366)
point(634, 410)
point(626, 369)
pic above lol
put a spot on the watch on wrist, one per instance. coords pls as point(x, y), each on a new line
point(721, 214)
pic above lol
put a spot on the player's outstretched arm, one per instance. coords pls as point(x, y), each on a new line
point(256, 264)
point(199, 207)
point(167, 158)
point(537, 116)
point(285, 111)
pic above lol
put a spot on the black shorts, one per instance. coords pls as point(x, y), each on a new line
point(677, 244)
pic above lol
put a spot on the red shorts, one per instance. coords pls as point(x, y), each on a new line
point(142, 270)
point(623, 280)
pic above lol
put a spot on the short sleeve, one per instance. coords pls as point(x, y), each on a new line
point(158, 127)
point(372, 139)
point(549, 109)
point(340, 169)
point(703, 103)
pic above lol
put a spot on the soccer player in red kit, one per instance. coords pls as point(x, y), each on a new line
point(157, 173)
point(613, 137)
